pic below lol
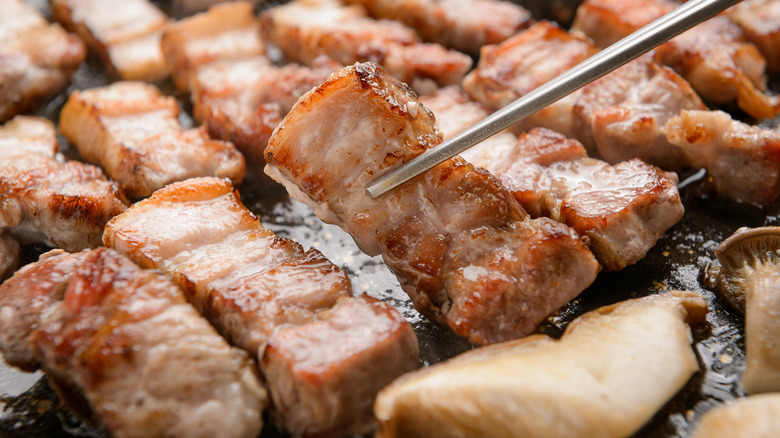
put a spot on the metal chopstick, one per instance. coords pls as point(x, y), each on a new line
point(643, 40)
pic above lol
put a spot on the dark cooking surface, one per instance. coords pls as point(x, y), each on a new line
point(28, 407)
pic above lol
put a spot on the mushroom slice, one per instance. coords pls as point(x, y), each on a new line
point(749, 278)
point(753, 417)
point(607, 376)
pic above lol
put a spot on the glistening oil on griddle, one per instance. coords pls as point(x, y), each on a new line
point(31, 409)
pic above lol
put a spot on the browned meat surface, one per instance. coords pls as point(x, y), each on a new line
point(622, 209)
point(306, 29)
point(713, 56)
point(124, 33)
point(524, 62)
point(9, 255)
point(459, 243)
point(132, 131)
point(126, 350)
point(226, 31)
point(30, 293)
point(462, 25)
point(37, 59)
point(252, 284)
point(722, 66)
point(237, 93)
point(46, 201)
point(760, 20)
point(742, 161)
point(606, 21)
point(351, 352)
point(243, 100)
point(622, 114)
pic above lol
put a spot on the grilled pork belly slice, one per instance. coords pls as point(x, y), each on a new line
point(522, 63)
point(133, 132)
point(714, 56)
point(742, 161)
point(459, 243)
point(607, 21)
point(126, 350)
point(37, 59)
point(62, 205)
point(243, 100)
point(226, 31)
point(254, 286)
point(124, 33)
point(31, 293)
point(608, 374)
point(622, 114)
point(183, 8)
point(306, 29)
point(622, 209)
point(344, 358)
point(237, 93)
point(760, 20)
point(722, 66)
point(461, 25)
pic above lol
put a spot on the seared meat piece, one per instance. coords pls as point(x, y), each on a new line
point(243, 277)
point(226, 31)
point(25, 297)
point(462, 25)
point(524, 62)
point(243, 100)
point(721, 66)
point(607, 376)
point(125, 349)
point(461, 246)
point(607, 21)
point(133, 132)
point(124, 33)
point(46, 201)
point(252, 284)
point(622, 114)
point(9, 255)
point(237, 92)
point(27, 142)
point(760, 20)
point(37, 59)
point(332, 369)
point(306, 29)
point(622, 209)
point(742, 161)
point(713, 56)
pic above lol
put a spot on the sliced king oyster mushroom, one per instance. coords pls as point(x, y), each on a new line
point(749, 279)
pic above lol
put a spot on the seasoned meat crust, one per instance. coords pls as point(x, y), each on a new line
point(461, 246)
point(125, 34)
point(132, 131)
point(62, 205)
point(760, 20)
point(124, 348)
point(37, 59)
point(261, 290)
point(458, 24)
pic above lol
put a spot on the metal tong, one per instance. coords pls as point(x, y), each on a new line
point(643, 40)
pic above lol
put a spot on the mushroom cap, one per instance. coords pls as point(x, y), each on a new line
point(742, 254)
